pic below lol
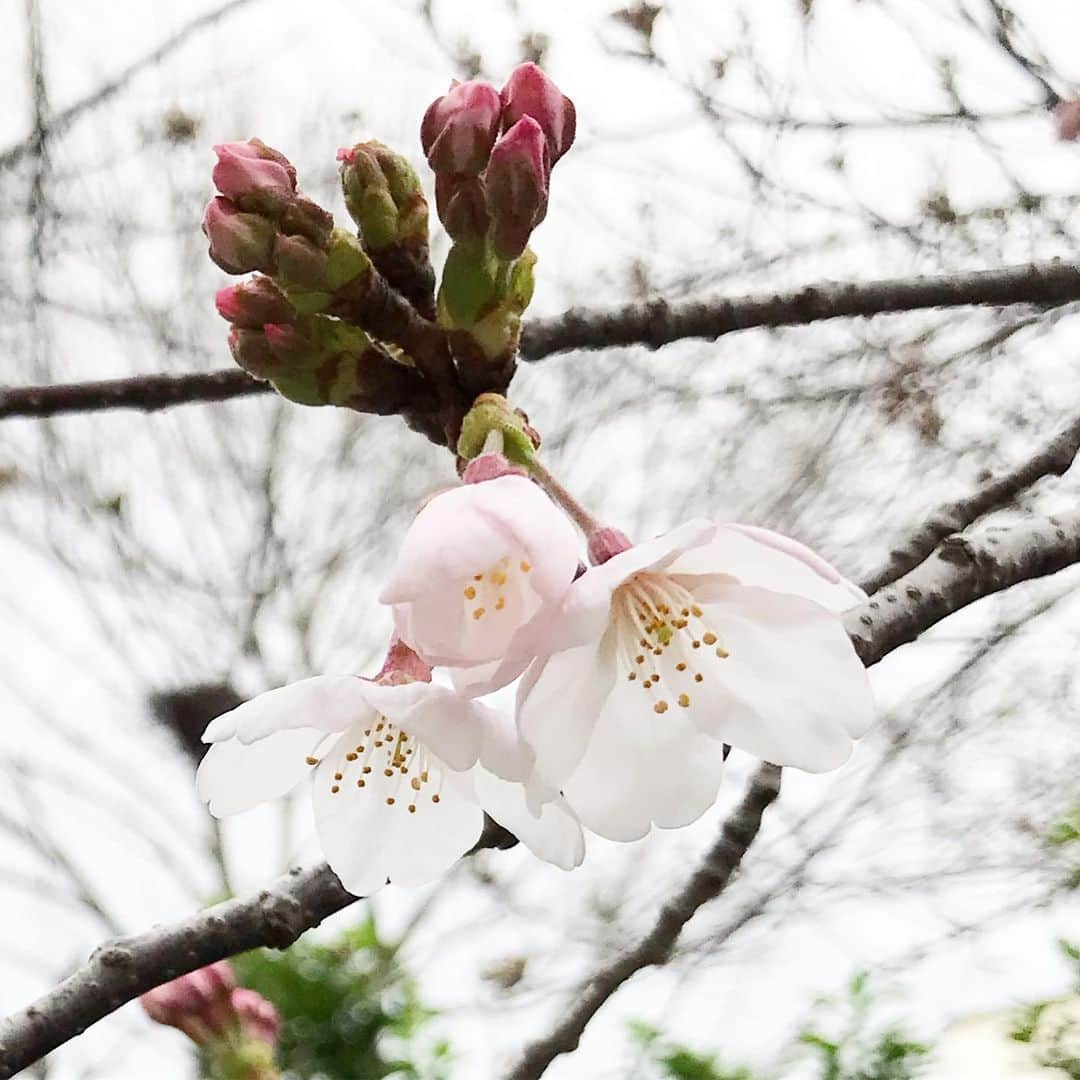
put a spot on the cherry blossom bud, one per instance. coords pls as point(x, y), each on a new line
point(258, 1019)
point(1067, 116)
point(303, 217)
point(253, 303)
point(252, 352)
point(299, 262)
point(383, 195)
point(460, 128)
point(254, 176)
point(462, 206)
point(198, 1003)
point(517, 186)
point(529, 92)
point(239, 242)
point(287, 343)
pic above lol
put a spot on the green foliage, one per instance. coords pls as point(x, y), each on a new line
point(349, 1011)
point(672, 1061)
point(1066, 831)
point(859, 1050)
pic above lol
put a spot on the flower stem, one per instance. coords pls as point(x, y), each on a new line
point(574, 510)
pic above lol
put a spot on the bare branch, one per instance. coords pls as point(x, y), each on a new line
point(653, 325)
point(707, 881)
point(963, 570)
point(1054, 458)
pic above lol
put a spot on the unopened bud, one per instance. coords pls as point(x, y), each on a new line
point(258, 1019)
point(460, 128)
point(517, 186)
point(254, 176)
point(1067, 116)
point(197, 1003)
point(253, 303)
point(462, 205)
point(303, 217)
point(529, 92)
point(297, 261)
point(383, 195)
point(252, 352)
point(239, 241)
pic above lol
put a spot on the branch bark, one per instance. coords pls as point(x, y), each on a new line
point(961, 571)
point(1055, 458)
point(652, 325)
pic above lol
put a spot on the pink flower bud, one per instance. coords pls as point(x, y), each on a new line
point(258, 1019)
point(490, 467)
point(605, 543)
point(253, 303)
point(307, 219)
point(462, 205)
point(287, 344)
point(239, 242)
point(253, 175)
point(402, 665)
point(460, 128)
point(299, 262)
point(252, 352)
point(1067, 115)
point(517, 186)
point(529, 92)
point(197, 1003)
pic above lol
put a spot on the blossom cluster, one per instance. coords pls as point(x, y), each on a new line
point(635, 676)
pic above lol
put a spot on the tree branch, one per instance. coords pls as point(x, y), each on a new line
point(1055, 458)
point(961, 571)
point(706, 882)
point(652, 325)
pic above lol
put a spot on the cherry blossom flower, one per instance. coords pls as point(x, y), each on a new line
point(401, 775)
point(671, 648)
point(480, 574)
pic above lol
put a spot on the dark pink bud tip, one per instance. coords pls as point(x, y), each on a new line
point(606, 543)
point(227, 303)
point(460, 128)
point(490, 467)
point(529, 92)
point(280, 335)
point(346, 154)
point(252, 170)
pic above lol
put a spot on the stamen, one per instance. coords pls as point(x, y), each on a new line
point(309, 760)
point(525, 567)
point(478, 613)
point(500, 603)
point(661, 707)
point(334, 790)
point(470, 593)
point(684, 700)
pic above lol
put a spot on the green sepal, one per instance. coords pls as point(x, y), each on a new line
point(492, 412)
point(347, 260)
point(470, 284)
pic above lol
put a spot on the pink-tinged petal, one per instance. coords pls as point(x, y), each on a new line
point(479, 564)
point(516, 181)
point(325, 702)
point(765, 559)
point(252, 171)
point(552, 834)
point(234, 777)
point(644, 767)
point(791, 689)
point(367, 830)
point(529, 92)
point(450, 725)
point(559, 699)
point(586, 610)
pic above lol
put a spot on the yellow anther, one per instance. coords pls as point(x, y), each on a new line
point(311, 760)
point(414, 783)
point(525, 567)
point(470, 593)
point(478, 577)
point(632, 676)
point(685, 612)
point(500, 603)
point(680, 666)
point(412, 808)
point(722, 653)
point(696, 610)
point(478, 613)
point(388, 772)
point(663, 632)
point(434, 798)
point(696, 643)
point(423, 776)
point(337, 776)
point(351, 755)
point(367, 769)
point(660, 707)
point(361, 782)
point(698, 677)
point(498, 578)
point(334, 790)
point(684, 700)
point(709, 638)
point(639, 659)
point(390, 800)
point(658, 652)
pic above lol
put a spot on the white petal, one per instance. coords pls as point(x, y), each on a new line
point(767, 560)
point(559, 699)
point(553, 834)
point(643, 768)
point(234, 777)
point(367, 839)
point(791, 691)
point(326, 702)
point(503, 751)
point(452, 726)
point(585, 612)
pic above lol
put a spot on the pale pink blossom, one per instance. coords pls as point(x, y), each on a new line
point(672, 648)
point(401, 774)
point(253, 171)
point(479, 576)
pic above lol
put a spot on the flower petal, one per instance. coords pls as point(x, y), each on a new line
point(367, 830)
point(326, 702)
point(553, 834)
point(559, 698)
point(233, 777)
point(791, 689)
point(765, 559)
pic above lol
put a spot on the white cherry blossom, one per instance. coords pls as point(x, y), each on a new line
point(401, 775)
point(480, 574)
point(671, 648)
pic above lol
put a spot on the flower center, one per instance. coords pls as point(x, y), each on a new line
point(659, 625)
point(486, 593)
point(390, 762)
